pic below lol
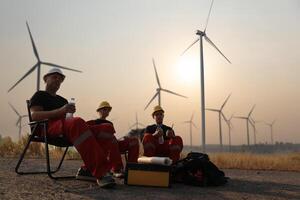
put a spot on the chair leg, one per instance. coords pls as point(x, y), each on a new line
point(22, 156)
point(49, 172)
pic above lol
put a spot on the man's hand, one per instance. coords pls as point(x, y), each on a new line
point(69, 108)
point(170, 133)
point(159, 132)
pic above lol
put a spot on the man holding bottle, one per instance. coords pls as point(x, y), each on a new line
point(160, 140)
point(49, 105)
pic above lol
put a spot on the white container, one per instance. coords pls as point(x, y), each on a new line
point(72, 102)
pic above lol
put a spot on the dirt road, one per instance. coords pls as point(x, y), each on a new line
point(242, 185)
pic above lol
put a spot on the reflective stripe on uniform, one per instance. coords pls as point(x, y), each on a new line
point(82, 138)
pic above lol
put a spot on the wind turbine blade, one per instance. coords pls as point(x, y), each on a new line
point(240, 117)
point(194, 125)
point(14, 109)
point(192, 117)
point(224, 116)
point(173, 93)
point(212, 44)
point(208, 15)
point(19, 120)
point(33, 44)
point(31, 70)
point(62, 67)
point(214, 110)
point(251, 111)
point(156, 74)
point(151, 100)
point(225, 102)
point(189, 46)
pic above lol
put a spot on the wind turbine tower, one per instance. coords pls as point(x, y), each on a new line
point(19, 121)
point(247, 118)
point(202, 34)
point(221, 114)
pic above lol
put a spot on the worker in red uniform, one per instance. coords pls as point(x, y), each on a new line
point(160, 140)
point(49, 105)
point(125, 144)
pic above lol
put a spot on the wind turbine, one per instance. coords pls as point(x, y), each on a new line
point(38, 65)
point(19, 121)
point(247, 123)
point(191, 128)
point(221, 114)
point(159, 89)
point(230, 126)
point(202, 34)
point(271, 127)
point(137, 123)
point(254, 128)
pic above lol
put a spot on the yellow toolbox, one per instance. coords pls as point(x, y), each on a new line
point(147, 175)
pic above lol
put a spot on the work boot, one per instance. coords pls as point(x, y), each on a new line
point(85, 174)
point(106, 181)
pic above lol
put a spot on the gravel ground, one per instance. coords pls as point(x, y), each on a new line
point(243, 184)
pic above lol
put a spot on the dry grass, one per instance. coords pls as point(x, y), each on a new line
point(282, 162)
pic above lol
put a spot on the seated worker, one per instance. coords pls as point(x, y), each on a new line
point(160, 140)
point(130, 144)
point(49, 105)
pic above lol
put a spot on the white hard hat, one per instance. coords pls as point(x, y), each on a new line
point(54, 71)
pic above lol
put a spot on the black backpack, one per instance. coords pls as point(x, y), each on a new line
point(196, 169)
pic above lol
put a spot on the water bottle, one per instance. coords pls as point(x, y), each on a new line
point(161, 138)
point(72, 102)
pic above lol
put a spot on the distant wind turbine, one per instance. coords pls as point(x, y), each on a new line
point(202, 34)
point(137, 123)
point(221, 114)
point(271, 128)
point(191, 123)
point(38, 65)
point(247, 123)
point(19, 121)
point(159, 89)
point(254, 128)
point(230, 126)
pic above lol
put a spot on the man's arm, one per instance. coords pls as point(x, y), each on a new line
point(38, 113)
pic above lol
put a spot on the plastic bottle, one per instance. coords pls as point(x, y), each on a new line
point(161, 138)
point(72, 102)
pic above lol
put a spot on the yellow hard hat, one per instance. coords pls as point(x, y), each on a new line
point(156, 109)
point(103, 104)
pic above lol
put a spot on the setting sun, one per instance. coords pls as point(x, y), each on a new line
point(187, 68)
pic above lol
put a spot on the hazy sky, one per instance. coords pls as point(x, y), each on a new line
point(113, 43)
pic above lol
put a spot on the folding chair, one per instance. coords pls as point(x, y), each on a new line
point(41, 127)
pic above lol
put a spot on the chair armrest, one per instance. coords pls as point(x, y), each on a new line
point(38, 122)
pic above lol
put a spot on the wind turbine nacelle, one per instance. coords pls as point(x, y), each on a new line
point(201, 33)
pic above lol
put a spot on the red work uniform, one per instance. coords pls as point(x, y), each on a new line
point(77, 132)
point(171, 147)
point(124, 144)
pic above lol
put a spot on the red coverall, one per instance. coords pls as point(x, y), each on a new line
point(116, 147)
point(94, 152)
point(171, 147)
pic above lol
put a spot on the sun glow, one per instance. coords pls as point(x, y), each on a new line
point(187, 69)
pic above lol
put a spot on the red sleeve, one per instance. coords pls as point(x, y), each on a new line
point(91, 122)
